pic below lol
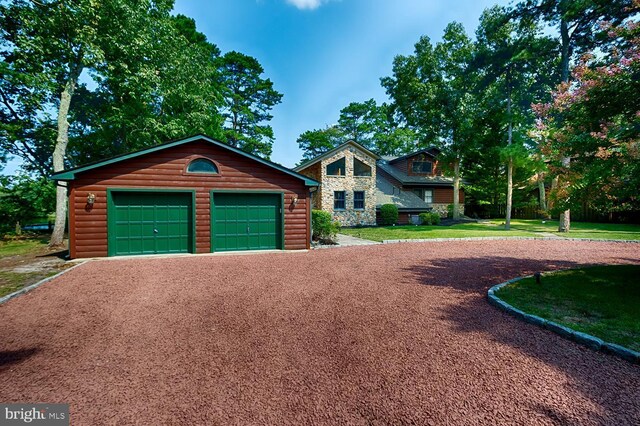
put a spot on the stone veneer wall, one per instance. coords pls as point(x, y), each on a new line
point(314, 172)
point(441, 209)
point(348, 184)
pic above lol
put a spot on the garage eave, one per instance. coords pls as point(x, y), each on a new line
point(70, 174)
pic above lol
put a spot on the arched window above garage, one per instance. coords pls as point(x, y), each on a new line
point(202, 165)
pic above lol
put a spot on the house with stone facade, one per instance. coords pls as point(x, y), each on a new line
point(348, 183)
point(355, 183)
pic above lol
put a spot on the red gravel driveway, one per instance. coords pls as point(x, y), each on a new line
point(386, 334)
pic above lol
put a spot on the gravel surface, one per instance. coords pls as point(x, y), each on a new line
point(381, 334)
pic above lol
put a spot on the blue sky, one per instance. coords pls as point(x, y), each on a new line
point(322, 54)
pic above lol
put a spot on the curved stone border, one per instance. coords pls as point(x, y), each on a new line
point(28, 288)
point(426, 240)
point(566, 332)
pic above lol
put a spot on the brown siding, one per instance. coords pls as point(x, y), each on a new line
point(165, 169)
point(401, 165)
point(445, 195)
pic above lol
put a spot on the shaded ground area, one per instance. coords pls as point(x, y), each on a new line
point(26, 261)
point(381, 334)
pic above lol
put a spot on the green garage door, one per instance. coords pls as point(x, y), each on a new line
point(246, 221)
point(150, 223)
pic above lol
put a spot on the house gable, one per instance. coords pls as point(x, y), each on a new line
point(348, 175)
point(71, 174)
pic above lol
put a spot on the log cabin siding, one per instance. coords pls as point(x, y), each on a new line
point(166, 169)
point(445, 195)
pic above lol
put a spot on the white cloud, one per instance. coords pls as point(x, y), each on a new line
point(306, 4)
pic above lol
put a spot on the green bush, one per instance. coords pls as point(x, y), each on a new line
point(389, 214)
point(429, 218)
point(324, 228)
point(435, 218)
point(450, 211)
point(425, 218)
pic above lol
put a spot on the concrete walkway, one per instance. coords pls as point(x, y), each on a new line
point(347, 240)
point(343, 240)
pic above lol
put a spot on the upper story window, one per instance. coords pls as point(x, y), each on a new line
point(202, 165)
point(360, 168)
point(421, 167)
point(337, 168)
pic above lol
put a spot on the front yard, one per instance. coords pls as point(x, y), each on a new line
point(26, 261)
point(495, 228)
point(603, 301)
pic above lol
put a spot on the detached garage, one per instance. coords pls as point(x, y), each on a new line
point(194, 195)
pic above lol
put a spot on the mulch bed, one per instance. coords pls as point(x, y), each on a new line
point(381, 334)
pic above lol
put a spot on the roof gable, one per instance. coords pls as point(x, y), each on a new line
point(334, 151)
point(431, 152)
point(70, 174)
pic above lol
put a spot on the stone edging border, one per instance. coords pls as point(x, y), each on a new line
point(28, 288)
point(566, 332)
point(427, 240)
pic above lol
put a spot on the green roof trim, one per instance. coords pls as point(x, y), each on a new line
point(70, 174)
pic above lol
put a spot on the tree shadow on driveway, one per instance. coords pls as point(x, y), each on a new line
point(8, 358)
point(477, 275)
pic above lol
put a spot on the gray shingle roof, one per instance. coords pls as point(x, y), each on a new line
point(415, 180)
point(386, 193)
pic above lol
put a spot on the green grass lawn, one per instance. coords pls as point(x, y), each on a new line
point(14, 281)
point(495, 228)
point(603, 301)
point(608, 231)
point(20, 247)
point(23, 253)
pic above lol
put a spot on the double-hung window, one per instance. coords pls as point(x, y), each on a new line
point(358, 200)
point(338, 200)
point(428, 196)
point(425, 194)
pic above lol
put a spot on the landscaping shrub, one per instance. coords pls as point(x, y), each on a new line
point(324, 228)
point(435, 218)
point(429, 218)
point(389, 214)
point(425, 218)
point(450, 211)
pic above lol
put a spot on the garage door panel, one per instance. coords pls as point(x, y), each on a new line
point(150, 223)
point(246, 221)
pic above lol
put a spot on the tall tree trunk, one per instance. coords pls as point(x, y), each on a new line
point(542, 194)
point(507, 222)
point(564, 222)
point(456, 189)
point(554, 187)
point(60, 151)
